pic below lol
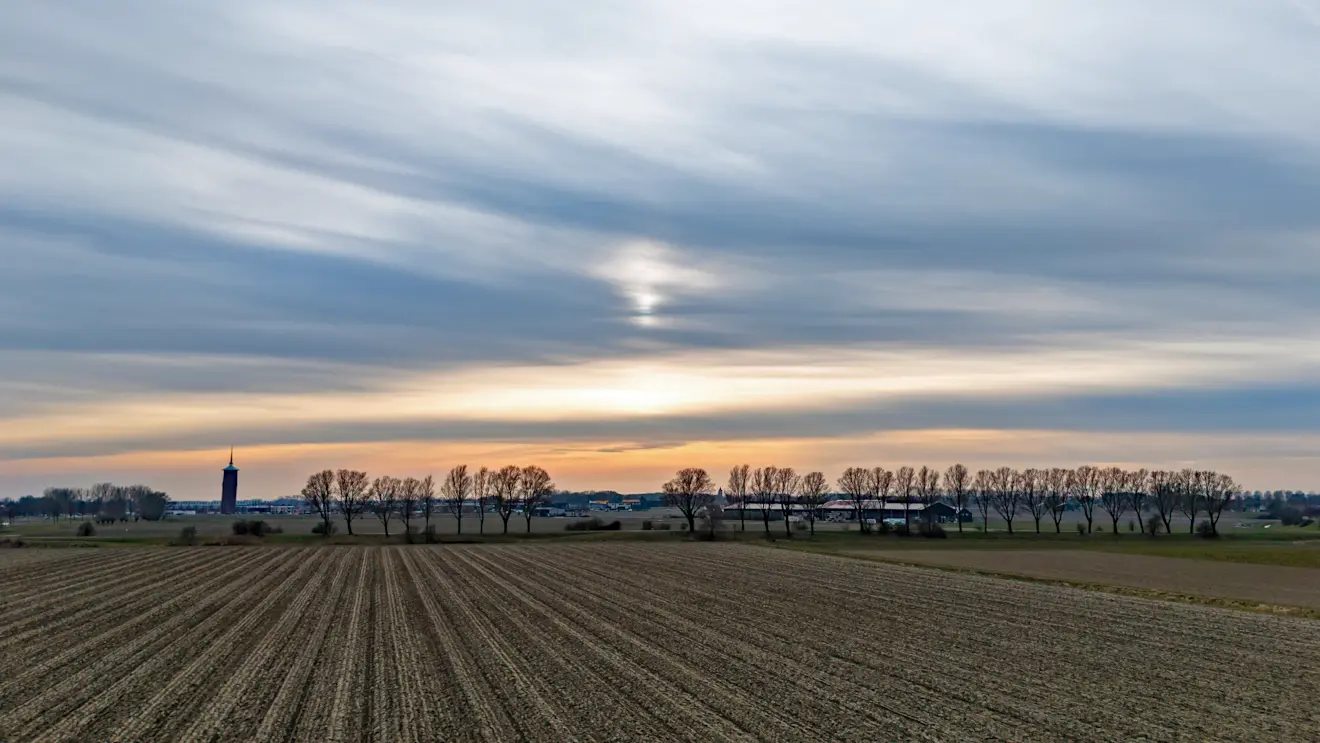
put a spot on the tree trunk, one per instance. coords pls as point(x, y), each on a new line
point(506, 522)
point(1037, 524)
point(765, 519)
point(691, 517)
point(459, 520)
point(788, 528)
point(529, 524)
point(1010, 525)
point(742, 516)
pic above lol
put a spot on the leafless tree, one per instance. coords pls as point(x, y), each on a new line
point(855, 482)
point(1164, 492)
point(957, 481)
point(1034, 494)
point(534, 489)
point(1189, 495)
point(1057, 486)
point(1006, 483)
point(905, 483)
point(426, 498)
point(481, 496)
point(1138, 481)
point(1087, 484)
point(384, 499)
point(1114, 498)
point(787, 482)
point(984, 488)
point(504, 492)
point(352, 494)
point(761, 488)
point(319, 495)
point(1217, 491)
point(928, 490)
point(409, 490)
point(737, 492)
point(812, 495)
point(690, 491)
point(455, 491)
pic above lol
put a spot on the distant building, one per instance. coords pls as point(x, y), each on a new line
point(229, 488)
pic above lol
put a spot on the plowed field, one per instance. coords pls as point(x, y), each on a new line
point(623, 642)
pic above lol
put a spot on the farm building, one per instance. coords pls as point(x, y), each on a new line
point(940, 513)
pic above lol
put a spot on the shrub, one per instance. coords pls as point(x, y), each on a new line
point(255, 528)
point(647, 526)
point(325, 529)
point(187, 536)
point(800, 526)
point(593, 524)
point(1206, 530)
point(883, 527)
point(1132, 525)
point(1081, 529)
point(85, 529)
point(429, 536)
point(1154, 524)
point(903, 530)
point(1291, 516)
point(931, 530)
point(664, 527)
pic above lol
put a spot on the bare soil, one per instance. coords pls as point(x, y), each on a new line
point(1266, 584)
point(618, 642)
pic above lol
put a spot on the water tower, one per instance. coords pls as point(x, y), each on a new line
point(229, 488)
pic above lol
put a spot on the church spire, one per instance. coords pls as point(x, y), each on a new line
point(231, 456)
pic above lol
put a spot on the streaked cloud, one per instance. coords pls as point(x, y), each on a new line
point(643, 232)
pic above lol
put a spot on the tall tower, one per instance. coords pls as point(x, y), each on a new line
point(229, 488)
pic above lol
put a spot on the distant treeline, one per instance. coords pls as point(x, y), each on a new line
point(103, 501)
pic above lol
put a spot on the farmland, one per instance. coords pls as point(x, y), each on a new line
point(617, 641)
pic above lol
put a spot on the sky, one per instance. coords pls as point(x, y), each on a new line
point(619, 238)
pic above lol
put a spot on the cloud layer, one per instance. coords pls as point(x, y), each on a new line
point(654, 231)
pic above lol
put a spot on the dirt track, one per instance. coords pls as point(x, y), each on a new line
point(1266, 584)
point(622, 642)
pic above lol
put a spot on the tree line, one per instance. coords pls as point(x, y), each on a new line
point(103, 501)
point(1010, 493)
point(351, 495)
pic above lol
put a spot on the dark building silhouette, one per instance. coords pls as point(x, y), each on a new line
point(229, 488)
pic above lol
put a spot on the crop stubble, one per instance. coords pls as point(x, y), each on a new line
point(618, 642)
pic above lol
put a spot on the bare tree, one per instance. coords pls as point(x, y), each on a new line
point(957, 481)
point(1137, 483)
point(737, 491)
point(1035, 494)
point(409, 490)
point(455, 491)
point(1087, 484)
point(812, 495)
point(1006, 485)
point(504, 491)
point(1114, 497)
point(1189, 495)
point(787, 482)
point(352, 494)
point(1217, 492)
point(481, 496)
point(319, 495)
point(384, 499)
point(928, 490)
point(905, 483)
point(1164, 493)
point(690, 492)
point(855, 482)
point(534, 489)
point(761, 488)
point(426, 498)
point(984, 487)
point(1057, 485)
point(882, 484)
